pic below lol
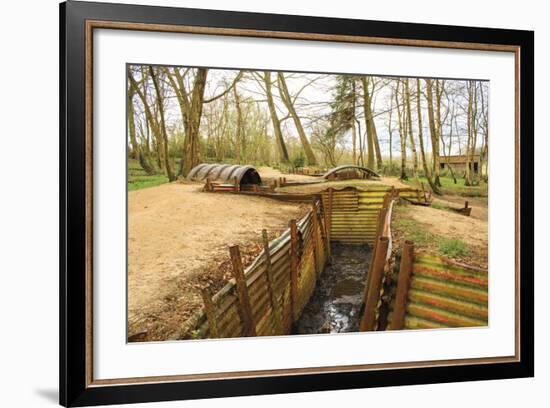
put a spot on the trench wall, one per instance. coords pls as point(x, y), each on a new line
point(273, 292)
point(354, 213)
point(277, 289)
point(439, 292)
point(269, 295)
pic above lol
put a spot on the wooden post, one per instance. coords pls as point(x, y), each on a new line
point(423, 192)
point(236, 183)
point(294, 269)
point(210, 311)
point(208, 184)
point(328, 221)
point(277, 313)
point(245, 309)
point(403, 282)
point(379, 231)
point(315, 236)
point(368, 322)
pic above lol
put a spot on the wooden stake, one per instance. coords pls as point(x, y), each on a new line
point(210, 311)
point(423, 191)
point(208, 184)
point(236, 183)
point(294, 269)
point(403, 282)
point(271, 284)
point(315, 236)
point(368, 322)
point(328, 221)
point(379, 230)
point(245, 309)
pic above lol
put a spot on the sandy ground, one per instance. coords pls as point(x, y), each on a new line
point(268, 173)
point(471, 230)
point(177, 238)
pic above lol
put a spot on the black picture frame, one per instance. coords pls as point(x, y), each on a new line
point(75, 389)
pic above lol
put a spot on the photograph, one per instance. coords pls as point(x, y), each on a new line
point(255, 203)
point(269, 203)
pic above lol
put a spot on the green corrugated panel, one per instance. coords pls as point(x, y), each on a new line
point(444, 293)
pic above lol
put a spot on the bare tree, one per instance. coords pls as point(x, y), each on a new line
point(433, 132)
point(288, 101)
point(283, 152)
point(409, 126)
point(427, 172)
point(402, 134)
point(162, 127)
point(136, 148)
point(370, 127)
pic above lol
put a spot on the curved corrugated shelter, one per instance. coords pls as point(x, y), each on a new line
point(350, 171)
point(225, 173)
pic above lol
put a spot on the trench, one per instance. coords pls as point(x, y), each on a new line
point(336, 302)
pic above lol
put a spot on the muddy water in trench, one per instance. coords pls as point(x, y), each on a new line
point(335, 304)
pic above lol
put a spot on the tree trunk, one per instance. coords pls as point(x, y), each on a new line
point(238, 136)
point(370, 128)
point(353, 128)
point(433, 132)
point(475, 180)
point(402, 135)
point(150, 118)
point(467, 175)
point(431, 182)
point(138, 154)
point(410, 129)
point(390, 129)
point(450, 148)
point(285, 96)
point(160, 103)
point(283, 153)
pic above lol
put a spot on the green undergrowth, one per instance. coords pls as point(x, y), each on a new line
point(449, 187)
point(408, 228)
point(138, 178)
point(453, 247)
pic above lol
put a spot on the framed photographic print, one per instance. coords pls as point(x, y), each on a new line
point(256, 203)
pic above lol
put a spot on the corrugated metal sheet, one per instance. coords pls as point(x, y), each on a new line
point(349, 168)
point(225, 173)
point(226, 302)
point(355, 213)
point(443, 293)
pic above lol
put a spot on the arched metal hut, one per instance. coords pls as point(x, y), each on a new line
point(350, 171)
point(225, 173)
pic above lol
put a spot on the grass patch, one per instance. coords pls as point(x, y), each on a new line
point(453, 247)
point(438, 206)
point(414, 231)
point(448, 186)
point(138, 178)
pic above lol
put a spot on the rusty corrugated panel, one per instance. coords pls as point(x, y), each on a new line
point(444, 293)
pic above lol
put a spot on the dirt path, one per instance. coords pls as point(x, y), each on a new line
point(177, 238)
